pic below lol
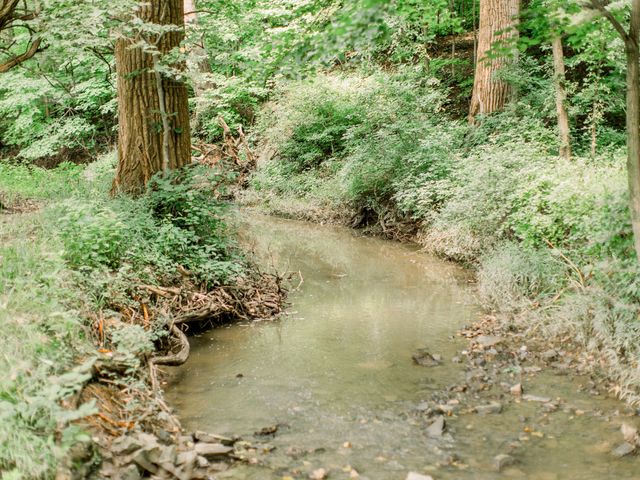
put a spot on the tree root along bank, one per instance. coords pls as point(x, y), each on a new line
point(133, 428)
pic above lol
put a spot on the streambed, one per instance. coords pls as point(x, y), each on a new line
point(337, 379)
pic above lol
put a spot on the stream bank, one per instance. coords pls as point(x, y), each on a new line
point(332, 390)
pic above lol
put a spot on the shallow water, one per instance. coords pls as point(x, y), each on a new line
point(338, 369)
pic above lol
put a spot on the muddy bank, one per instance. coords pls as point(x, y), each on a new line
point(337, 377)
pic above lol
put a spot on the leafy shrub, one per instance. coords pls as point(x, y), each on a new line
point(177, 224)
point(93, 236)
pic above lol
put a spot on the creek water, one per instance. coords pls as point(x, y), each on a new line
point(336, 374)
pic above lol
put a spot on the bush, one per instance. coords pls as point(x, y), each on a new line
point(177, 225)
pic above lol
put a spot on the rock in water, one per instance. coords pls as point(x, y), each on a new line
point(318, 474)
point(418, 476)
point(423, 358)
point(493, 407)
point(624, 450)
point(503, 460)
point(436, 429)
point(209, 450)
point(630, 434)
point(516, 390)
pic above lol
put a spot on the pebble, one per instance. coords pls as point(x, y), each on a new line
point(503, 460)
point(623, 450)
point(493, 407)
point(436, 429)
point(516, 390)
point(418, 476)
point(630, 434)
point(319, 474)
point(536, 398)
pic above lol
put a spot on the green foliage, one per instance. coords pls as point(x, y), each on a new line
point(177, 224)
point(41, 337)
point(79, 254)
point(541, 231)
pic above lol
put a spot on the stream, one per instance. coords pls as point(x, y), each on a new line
point(337, 378)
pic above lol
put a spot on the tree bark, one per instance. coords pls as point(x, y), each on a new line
point(561, 97)
point(154, 133)
point(633, 120)
point(497, 21)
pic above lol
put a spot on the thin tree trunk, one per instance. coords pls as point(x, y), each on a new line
point(143, 129)
point(197, 61)
point(633, 121)
point(561, 97)
point(497, 21)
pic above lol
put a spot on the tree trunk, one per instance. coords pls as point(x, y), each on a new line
point(153, 113)
point(633, 121)
point(561, 97)
point(497, 21)
point(197, 60)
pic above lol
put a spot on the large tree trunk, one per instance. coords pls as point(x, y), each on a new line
point(497, 21)
point(633, 120)
point(153, 111)
point(561, 97)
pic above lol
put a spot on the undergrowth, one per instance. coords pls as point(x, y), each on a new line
point(550, 239)
point(79, 255)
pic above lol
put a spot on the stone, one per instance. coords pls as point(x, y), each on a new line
point(129, 472)
point(202, 462)
point(188, 458)
point(536, 398)
point(493, 407)
point(630, 434)
point(488, 341)
point(425, 359)
point(213, 438)
point(516, 390)
point(623, 450)
point(209, 450)
point(319, 474)
point(125, 445)
point(436, 428)
point(503, 460)
point(418, 476)
point(550, 355)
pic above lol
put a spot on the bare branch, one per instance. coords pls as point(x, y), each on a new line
point(602, 8)
point(18, 59)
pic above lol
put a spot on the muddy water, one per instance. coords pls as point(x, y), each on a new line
point(336, 374)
